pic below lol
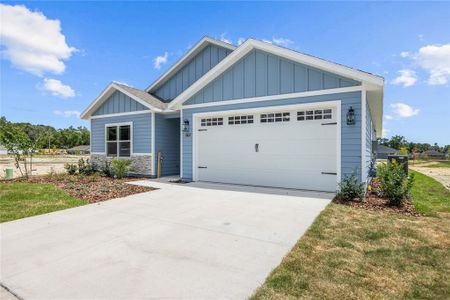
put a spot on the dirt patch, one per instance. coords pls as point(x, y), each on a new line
point(373, 202)
point(91, 188)
point(440, 174)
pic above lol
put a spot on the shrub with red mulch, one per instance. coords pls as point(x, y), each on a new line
point(93, 188)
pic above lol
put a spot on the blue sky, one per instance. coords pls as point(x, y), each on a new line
point(50, 72)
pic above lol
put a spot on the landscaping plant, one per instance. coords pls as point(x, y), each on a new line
point(85, 167)
point(120, 167)
point(71, 168)
point(394, 182)
point(350, 188)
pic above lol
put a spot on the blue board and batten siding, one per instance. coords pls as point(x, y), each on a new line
point(263, 74)
point(204, 61)
point(167, 141)
point(119, 103)
point(350, 134)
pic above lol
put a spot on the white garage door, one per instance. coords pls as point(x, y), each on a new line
point(277, 148)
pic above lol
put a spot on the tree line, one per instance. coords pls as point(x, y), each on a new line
point(44, 136)
point(398, 142)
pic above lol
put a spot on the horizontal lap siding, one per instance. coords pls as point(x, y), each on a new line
point(350, 134)
point(192, 71)
point(167, 141)
point(262, 74)
point(142, 134)
point(119, 103)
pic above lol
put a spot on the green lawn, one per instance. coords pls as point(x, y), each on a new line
point(20, 200)
point(351, 253)
point(428, 195)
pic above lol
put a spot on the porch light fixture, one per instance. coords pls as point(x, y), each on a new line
point(351, 116)
point(185, 128)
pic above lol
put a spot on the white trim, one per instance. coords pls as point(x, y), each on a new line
point(141, 154)
point(117, 125)
point(153, 145)
point(334, 103)
point(181, 144)
point(363, 134)
point(98, 153)
point(180, 63)
point(251, 44)
point(139, 112)
point(278, 97)
point(108, 92)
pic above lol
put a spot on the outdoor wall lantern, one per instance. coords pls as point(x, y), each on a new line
point(351, 116)
point(186, 130)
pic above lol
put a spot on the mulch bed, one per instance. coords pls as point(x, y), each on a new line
point(373, 202)
point(91, 188)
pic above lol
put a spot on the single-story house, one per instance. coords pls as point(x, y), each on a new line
point(82, 149)
point(384, 151)
point(433, 154)
point(3, 150)
point(257, 114)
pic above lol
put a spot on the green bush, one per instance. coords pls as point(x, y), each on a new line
point(105, 168)
point(350, 188)
point(120, 167)
point(71, 168)
point(395, 184)
point(85, 167)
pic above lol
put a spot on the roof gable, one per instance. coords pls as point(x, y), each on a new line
point(195, 63)
point(260, 73)
point(118, 102)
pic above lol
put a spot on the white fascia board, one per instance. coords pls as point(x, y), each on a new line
point(250, 44)
point(191, 53)
point(108, 91)
point(139, 112)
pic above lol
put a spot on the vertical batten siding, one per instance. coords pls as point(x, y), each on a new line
point(167, 141)
point(350, 134)
point(141, 132)
point(118, 103)
point(204, 61)
point(263, 74)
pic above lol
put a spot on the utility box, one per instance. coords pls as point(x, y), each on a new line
point(401, 160)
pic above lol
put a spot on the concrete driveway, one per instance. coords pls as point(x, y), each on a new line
point(194, 240)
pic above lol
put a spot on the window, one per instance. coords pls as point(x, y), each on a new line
point(211, 122)
point(275, 117)
point(318, 114)
point(240, 120)
point(118, 140)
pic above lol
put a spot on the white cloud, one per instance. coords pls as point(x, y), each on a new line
point(67, 113)
point(406, 78)
point(402, 110)
point(224, 39)
point(160, 60)
point(31, 41)
point(404, 54)
point(57, 88)
point(385, 132)
point(240, 41)
point(436, 60)
point(388, 117)
point(279, 41)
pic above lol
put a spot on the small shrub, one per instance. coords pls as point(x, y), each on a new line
point(71, 168)
point(394, 183)
point(120, 167)
point(85, 167)
point(105, 168)
point(351, 188)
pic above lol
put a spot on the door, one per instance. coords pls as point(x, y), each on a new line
point(294, 148)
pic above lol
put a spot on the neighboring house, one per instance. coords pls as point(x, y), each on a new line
point(433, 154)
point(384, 151)
point(257, 114)
point(3, 150)
point(83, 149)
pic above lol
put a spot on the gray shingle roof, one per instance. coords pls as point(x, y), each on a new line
point(143, 95)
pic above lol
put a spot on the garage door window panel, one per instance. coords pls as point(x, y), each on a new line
point(275, 117)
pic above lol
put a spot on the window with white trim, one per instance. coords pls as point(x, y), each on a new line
point(275, 117)
point(118, 140)
point(235, 120)
point(318, 114)
point(211, 122)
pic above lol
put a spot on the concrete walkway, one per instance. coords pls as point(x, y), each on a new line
point(181, 241)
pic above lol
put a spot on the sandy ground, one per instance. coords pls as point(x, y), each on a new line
point(440, 174)
point(42, 164)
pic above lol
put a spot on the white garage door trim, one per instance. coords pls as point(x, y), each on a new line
point(336, 104)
